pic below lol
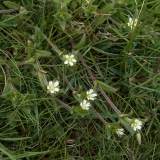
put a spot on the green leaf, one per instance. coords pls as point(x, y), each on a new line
point(30, 49)
point(90, 9)
point(28, 154)
point(62, 17)
point(82, 42)
point(26, 109)
point(31, 60)
point(2, 78)
point(43, 26)
point(59, 131)
point(103, 52)
point(23, 11)
point(62, 24)
point(15, 81)
point(8, 21)
point(41, 79)
point(38, 37)
point(12, 119)
point(77, 110)
point(77, 94)
point(108, 131)
point(57, 1)
point(14, 139)
point(13, 116)
point(127, 115)
point(127, 124)
point(106, 87)
point(42, 53)
point(11, 94)
point(2, 62)
point(11, 5)
point(6, 151)
point(108, 8)
point(6, 88)
point(60, 1)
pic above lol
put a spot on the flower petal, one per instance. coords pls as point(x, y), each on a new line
point(71, 56)
point(50, 83)
point(52, 91)
point(84, 101)
point(74, 60)
point(66, 62)
point(71, 63)
point(56, 84)
point(56, 89)
point(94, 95)
point(130, 19)
point(67, 56)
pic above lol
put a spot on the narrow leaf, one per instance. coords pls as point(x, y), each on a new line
point(4, 150)
point(14, 139)
point(11, 5)
point(106, 87)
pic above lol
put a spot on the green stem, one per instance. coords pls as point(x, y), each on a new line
point(98, 115)
point(54, 46)
point(63, 104)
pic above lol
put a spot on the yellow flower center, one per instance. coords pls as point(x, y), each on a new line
point(70, 59)
point(51, 87)
point(135, 124)
point(131, 23)
point(83, 107)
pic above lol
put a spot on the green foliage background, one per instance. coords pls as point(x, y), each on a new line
point(35, 126)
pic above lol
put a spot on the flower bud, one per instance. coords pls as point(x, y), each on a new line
point(138, 135)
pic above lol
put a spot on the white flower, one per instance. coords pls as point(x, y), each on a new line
point(69, 59)
point(91, 95)
point(120, 131)
point(136, 124)
point(85, 105)
point(132, 22)
point(53, 86)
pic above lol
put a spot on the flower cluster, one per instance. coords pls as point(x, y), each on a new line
point(90, 95)
point(132, 22)
point(136, 124)
point(53, 86)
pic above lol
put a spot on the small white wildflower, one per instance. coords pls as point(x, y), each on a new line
point(53, 86)
point(132, 22)
point(136, 124)
point(91, 95)
point(69, 59)
point(120, 131)
point(85, 105)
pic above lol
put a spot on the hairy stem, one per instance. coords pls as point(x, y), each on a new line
point(100, 89)
point(9, 10)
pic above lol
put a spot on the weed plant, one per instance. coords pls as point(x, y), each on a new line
point(79, 80)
